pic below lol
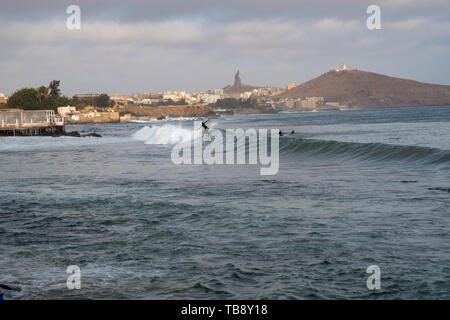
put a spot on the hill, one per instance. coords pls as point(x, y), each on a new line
point(364, 89)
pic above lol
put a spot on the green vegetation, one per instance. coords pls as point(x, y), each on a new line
point(170, 102)
point(54, 88)
point(238, 105)
point(41, 98)
point(232, 103)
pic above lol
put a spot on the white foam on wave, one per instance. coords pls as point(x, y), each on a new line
point(165, 134)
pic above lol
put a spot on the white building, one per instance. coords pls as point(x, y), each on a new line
point(211, 98)
point(246, 95)
point(148, 101)
point(3, 98)
point(342, 68)
point(175, 95)
point(64, 111)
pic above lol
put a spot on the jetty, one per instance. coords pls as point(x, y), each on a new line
point(17, 122)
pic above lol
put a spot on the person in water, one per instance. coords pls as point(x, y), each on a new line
point(293, 131)
point(280, 133)
point(204, 126)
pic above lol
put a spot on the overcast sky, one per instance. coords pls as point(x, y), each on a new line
point(140, 46)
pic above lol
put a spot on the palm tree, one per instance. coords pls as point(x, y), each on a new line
point(54, 88)
point(42, 93)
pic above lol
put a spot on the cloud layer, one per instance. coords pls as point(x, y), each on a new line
point(198, 45)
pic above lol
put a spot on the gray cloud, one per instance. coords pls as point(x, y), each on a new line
point(197, 45)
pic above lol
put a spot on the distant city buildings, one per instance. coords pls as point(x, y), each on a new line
point(211, 98)
point(309, 103)
point(168, 97)
point(261, 92)
point(306, 104)
point(259, 95)
point(175, 96)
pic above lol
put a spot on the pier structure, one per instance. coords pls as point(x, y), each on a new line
point(17, 122)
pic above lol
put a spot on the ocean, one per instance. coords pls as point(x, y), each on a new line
point(354, 189)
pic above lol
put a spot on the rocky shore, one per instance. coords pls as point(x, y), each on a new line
point(78, 135)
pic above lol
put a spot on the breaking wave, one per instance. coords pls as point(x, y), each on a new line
point(166, 134)
point(295, 145)
point(364, 151)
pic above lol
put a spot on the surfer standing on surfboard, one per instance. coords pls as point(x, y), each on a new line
point(204, 126)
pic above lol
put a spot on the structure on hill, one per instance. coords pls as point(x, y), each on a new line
point(342, 68)
point(17, 122)
point(237, 88)
point(237, 80)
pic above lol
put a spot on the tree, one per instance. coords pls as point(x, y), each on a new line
point(35, 99)
point(42, 93)
point(52, 103)
point(102, 101)
point(25, 98)
point(54, 88)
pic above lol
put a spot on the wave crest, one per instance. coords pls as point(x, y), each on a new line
point(166, 134)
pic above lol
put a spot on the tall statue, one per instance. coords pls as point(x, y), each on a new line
point(237, 80)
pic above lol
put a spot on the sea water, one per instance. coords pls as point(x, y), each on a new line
point(355, 188)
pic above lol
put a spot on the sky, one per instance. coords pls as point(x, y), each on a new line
point(196, 45)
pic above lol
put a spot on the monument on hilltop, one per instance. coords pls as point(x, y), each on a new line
point(237, 80)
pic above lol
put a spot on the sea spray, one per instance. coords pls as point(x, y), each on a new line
point(166, 134)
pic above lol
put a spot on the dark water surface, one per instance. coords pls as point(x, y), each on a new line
point(354, 189)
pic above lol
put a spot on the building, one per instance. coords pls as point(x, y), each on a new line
point(175, 95)
point(148, 101)
point(65, 111)
point(86, 98)
point(120, 100)
point(290, 86)
point(342, 68)
point(246, 95)
point(310, 103)
point(211, 98)
point(3, 98)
